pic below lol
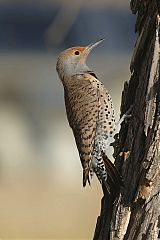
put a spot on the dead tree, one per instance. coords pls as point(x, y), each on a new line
point(136, 214)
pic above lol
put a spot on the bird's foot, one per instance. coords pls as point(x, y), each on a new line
point(125, 116)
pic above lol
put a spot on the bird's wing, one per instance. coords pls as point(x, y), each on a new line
point(81, 100)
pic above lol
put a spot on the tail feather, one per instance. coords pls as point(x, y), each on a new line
point(86, 177)
point(109, 176)
point(114, 179)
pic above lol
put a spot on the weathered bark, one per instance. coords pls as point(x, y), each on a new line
point(136, 214)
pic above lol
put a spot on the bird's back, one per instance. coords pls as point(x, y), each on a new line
point(90, 112)
point(82, 112)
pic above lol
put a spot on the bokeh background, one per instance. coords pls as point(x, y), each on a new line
point(41, 194)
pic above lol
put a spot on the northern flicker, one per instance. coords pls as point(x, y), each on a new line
point(90, 114)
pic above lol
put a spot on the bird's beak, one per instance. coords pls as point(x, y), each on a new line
point(88, 49)
point(93, 45)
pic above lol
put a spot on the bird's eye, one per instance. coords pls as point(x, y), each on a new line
point(76, 52)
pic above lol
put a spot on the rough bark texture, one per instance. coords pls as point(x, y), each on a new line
point(136, 214)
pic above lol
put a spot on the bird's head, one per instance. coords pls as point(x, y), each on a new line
point(73, 60)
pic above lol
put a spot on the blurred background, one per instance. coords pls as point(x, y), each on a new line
point(41, 194)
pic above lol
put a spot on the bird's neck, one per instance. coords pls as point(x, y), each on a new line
point(68, 71)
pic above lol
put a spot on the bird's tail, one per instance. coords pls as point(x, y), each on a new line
point(86, 176)
point(114, 179)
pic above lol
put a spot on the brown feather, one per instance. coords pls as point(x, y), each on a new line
point(81, 102)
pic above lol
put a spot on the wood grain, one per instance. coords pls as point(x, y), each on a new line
point(136, 214)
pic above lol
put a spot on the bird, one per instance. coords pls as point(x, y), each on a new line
point(90, 114)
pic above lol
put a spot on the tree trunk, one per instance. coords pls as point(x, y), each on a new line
point(136, 214)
